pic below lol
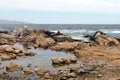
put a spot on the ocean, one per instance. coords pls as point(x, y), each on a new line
point(76, 31)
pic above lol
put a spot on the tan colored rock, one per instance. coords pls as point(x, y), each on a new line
point(5, 57)
point(114, 79)
point(56, 60)
point(64, 60)
point(11, 66)
point(3, 41)
point(28, 71)
point(13, 56)
point(74, 68)
point(41, 71)
point(71, 75)
point(22, 55)
point(47, 76)
point(66, 46)
point(30, 54)
point(43, 42)
point(105, 40)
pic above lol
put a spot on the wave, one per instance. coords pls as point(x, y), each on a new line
point(80, 33)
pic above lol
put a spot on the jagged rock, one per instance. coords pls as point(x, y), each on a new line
point(11, 66)
point(105, 40)
point(41, 71)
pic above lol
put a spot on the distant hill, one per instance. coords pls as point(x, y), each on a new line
point(12, 22)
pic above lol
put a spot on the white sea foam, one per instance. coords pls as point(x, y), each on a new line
point(80, 33)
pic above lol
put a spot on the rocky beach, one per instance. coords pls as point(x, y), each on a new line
point(64, 58)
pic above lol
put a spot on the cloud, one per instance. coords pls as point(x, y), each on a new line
point(94, 6)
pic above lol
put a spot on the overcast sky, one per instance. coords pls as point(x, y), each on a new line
point(62, 11)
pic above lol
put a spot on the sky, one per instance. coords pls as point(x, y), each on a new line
point(61, 11)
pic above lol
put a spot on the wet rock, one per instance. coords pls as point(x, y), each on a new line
point(66, 60)
point(11, 66)
point(28, 71)
point(41, 71)
point(5, 57)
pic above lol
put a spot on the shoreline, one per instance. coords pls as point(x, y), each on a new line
point(100, 54)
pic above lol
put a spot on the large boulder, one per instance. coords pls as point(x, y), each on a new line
point(102, 39)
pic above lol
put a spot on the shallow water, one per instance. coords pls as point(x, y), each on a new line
point(42, 59)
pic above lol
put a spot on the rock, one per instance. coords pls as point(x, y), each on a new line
point(43, 42)
point(114, 79)
point(9, 49)
point(41, 71)
point(11, 66)
point(13, 56)
point(74, 68)
point(65, 60)
point(66, 46)
point(47, 75)
point(30, 54)
point(73, 79)
point(63, 39)
point(56, 60)
point(99, 75)
point(3, 41)
point(71, 75)
point(5, 57)
point(105, 40)
point(28, 71)
point(58, 33)
point(22, 55)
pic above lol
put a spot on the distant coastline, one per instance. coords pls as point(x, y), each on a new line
point(13, 22)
